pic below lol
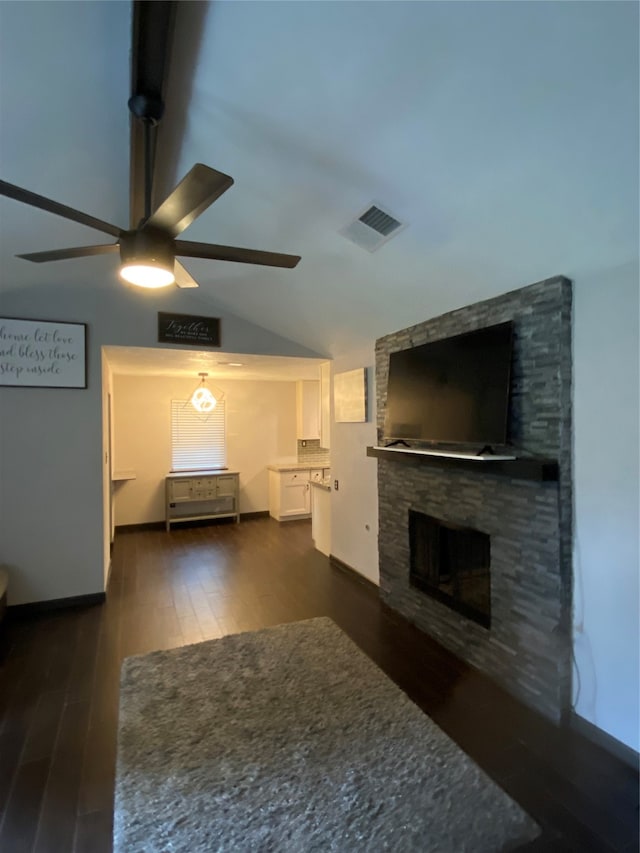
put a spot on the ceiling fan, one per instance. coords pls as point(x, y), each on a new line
point(148, 249)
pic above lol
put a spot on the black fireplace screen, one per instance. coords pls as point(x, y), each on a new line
point(451, 564)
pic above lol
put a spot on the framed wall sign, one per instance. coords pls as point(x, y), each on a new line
point(350, 396)
point(188, 329)
point(42, 354)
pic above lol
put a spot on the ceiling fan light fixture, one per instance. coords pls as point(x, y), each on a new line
point(147, 259)
point(147, 275)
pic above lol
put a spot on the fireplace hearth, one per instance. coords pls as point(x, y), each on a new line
point(452, 564)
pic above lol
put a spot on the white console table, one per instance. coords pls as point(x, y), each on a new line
point(195, 495)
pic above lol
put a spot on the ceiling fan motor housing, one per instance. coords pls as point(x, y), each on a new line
point(147, 108)
point(147, 246)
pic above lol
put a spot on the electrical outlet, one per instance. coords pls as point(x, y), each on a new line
point(335, 485)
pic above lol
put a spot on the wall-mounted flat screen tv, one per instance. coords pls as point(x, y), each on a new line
point(452, 391)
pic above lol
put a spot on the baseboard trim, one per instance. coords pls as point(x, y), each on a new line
point(145, 525)
point(161, 525)
point(349, 570)
point(612, 745)
point(33, 607)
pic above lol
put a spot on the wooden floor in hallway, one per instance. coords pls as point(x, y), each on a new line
point(59, 686)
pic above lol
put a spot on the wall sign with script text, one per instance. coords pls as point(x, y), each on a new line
point(188, 329)
point(42, 354)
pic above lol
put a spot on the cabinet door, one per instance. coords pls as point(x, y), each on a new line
point(294, 499)
point(308, 409)
point(227, 484)
point(325, 405)
point(180, 490)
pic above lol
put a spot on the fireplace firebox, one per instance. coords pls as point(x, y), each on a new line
point(451, 564)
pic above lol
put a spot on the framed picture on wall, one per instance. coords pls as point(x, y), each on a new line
point(42, 354)
point(350, 396)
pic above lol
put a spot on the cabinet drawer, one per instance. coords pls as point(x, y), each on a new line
point(292, 478)
point(316, 475)
point(204, 483)
point(203, 494)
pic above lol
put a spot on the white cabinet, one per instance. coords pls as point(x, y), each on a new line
point(308, 408)
point(325, 405)
point(289, 495)
point(207, 494)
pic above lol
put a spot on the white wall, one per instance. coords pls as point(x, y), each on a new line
point(607, 507)
point(354, 507)
point(260, 421)
point(52, 524)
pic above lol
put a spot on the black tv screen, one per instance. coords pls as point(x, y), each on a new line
point(452, 391)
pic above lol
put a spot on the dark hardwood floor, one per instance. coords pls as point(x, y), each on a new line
point(59, 687)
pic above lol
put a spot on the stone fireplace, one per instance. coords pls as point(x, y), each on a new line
point(479, 555)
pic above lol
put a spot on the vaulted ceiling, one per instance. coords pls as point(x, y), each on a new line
point(505, 134)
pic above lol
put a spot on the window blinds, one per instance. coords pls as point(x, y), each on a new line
point(198, 441)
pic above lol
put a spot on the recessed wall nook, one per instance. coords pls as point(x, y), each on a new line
point(478, 554)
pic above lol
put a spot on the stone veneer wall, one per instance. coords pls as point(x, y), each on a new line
point(528, 647)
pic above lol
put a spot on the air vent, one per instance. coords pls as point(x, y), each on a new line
point(379, 221)
point(372, 227)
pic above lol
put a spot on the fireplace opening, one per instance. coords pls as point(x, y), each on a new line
point(451, 564)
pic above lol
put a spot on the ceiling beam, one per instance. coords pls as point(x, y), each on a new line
point(153, 25)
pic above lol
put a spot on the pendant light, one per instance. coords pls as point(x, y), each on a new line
point(203, 399)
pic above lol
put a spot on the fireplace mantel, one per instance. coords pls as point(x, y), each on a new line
point(532, 468)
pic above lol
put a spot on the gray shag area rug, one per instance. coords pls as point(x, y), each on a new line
point(291, 739)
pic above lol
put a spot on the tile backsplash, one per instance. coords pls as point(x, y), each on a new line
point(313, 453)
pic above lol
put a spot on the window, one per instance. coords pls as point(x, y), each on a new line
point(198, 442)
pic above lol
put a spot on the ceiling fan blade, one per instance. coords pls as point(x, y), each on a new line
point(199, 188)
point(153, 25)
point(27, 197)
point(231, 253)
point(66, 254)
point(183, 276)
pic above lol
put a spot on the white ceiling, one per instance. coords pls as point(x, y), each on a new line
point(505, 133)
point(143, 361)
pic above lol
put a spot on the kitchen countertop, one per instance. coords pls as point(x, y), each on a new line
point(299, 466)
